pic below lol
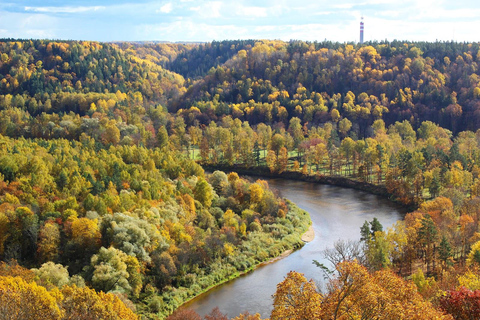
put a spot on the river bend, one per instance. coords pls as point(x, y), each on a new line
point(336, 213)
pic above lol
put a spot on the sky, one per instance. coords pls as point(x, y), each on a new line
point(206, 20)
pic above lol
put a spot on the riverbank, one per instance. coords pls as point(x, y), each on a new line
point(336, 213)
point(282, 247)
point(309, 235)
point(339, 181)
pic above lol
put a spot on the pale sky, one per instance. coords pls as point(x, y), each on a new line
point(204, 20)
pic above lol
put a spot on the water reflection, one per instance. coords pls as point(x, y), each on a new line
point(337, 213)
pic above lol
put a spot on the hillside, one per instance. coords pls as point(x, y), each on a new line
point(102, 146)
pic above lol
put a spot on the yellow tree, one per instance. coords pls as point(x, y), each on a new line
point(282, 160)
point(48, 243)
point(296, 299)
point(85, 233)
point(85, 304)
point(4, 223)
point(256, 195)
point(27, 301)
point(357, 294)
point(271, 160)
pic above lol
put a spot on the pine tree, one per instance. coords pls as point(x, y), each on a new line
point(445, 250)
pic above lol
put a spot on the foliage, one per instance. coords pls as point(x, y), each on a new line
point(96, 176)
point(353, 293)
point(296, 298)
point(462, 303)
point(119, 223)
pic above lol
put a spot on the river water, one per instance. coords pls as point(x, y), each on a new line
point(336, 213)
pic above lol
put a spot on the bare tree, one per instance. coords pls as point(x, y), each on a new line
point(345, 250)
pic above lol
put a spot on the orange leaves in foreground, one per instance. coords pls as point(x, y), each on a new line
point(296, 298)
point(353, 294)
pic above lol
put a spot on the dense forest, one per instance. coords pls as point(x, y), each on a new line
point(102, 193)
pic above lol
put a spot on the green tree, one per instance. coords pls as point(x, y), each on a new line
point(344, 126)
point(110, 271)
point(162, 137)
point(445, 251)
point(277, 143)
point(427, 236)
point(375, 225)
point(204, 193)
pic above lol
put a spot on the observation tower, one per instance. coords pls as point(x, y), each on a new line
point(361, 31)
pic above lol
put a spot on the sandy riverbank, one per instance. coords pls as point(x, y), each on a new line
point(309, 235)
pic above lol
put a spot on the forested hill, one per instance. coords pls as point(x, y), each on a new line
point(41, 70)
point(190, 60)
point(97, 196)
point(394, 81)
point(96, 169)
point(258, 81)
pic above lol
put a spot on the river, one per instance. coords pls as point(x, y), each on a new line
point(336, 213)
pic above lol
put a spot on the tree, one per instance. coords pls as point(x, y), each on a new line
point(347, 148)
point(345, 250)
point(277, 143)
point(271, 160)
point(265, 135)
point(473, 257)
point(49, 241)
point(256, 194)
point(368, 229)
point(162, 137)
point(110, 271)
point(296, 298)
point(247, 316)
point(85, 232)
point(318, 154)
point(184, 314)
point(365, 233)
point(427, 235)
point(29, 301)
point(204, 193)
point(375, 225)
point(256, 153)
point(335, 115)
point(295, 128)
point(86, 304)
point(51, 274)
point(357, 294)
point(195, 137)
point(4, 234)
point(282, 160)
point(462, 304)
point(86, 239)
point(445, 251)
point(112, 133)
point(134, 236)
point(215, 314)
point(378, 251)
point(344, 126)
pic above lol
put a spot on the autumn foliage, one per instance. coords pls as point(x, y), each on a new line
point(27, 300)
point(98, 185)
point(462, 304)
point(353, 294)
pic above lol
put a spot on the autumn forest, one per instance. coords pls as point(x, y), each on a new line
point(119, 197)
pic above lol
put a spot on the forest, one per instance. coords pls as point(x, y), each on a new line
point(104, 201)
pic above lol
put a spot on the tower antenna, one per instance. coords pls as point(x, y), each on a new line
point(361, 31)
